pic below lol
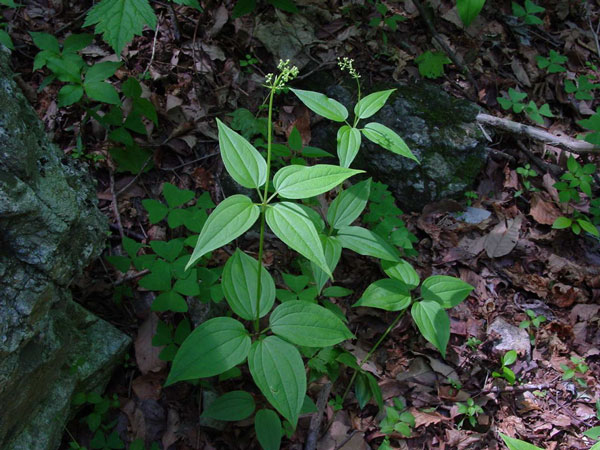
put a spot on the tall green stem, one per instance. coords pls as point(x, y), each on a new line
point(263, 208)
point(373, 349)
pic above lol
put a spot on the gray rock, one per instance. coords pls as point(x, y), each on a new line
point(439, 129)
point(510, 338)
point(50, 347)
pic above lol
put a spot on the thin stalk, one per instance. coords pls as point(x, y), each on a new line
point(373, 349)
point(263, 208)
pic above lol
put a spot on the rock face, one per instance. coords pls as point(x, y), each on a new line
point(50, 347)
point(439, 129)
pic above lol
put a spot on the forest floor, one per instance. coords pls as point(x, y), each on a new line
point(199, 66)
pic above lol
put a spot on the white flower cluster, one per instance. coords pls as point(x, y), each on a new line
point(287, 74)
point(347, 64)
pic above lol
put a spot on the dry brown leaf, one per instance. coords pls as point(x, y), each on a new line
point(426, 418)
point(543, 212)
point(503, 238)
point(146, 355)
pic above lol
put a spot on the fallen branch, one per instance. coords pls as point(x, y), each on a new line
point(564, 142)
point(315, 420)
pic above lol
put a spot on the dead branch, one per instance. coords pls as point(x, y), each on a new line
point(315, 420)
point(538, 134)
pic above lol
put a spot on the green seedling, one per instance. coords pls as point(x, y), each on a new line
point(473, 343)
point(105, 436)
point(527, 13)
point(553, 63)
point(579, 367)
point(431, 64)
point(515, 102)
point(526, 172)
point(5, 38)
point(171, 339)
point(385, 18)
point(505, 372)
point(583, 88)
point(397, 420)
point(470, 196)
point(592, 124)
point(534, 321)
point(247, 62)
point(244, 7)
point(470, 410)
point(577, 179)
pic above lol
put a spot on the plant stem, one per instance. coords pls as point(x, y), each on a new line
point(373, 349)
point(263, 208)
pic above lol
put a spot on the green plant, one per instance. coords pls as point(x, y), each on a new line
point(171, 339)
point(384, 18)
point(593, 124)
point(528, 13)
point(470, 196)
point(577, 178)
point(397, 420)
point(431, 64)
point(594, 434)
point(5, 38)
point(515, 102)
point(120, 20)
point(105, 436)
point(248, 62)
point(583, 89)
point(535, 321)
point(473, 343)
point(579, 367)
point(243, 7)
point(517, 444)
point(508, 359)
point(526, 172)
point(553, 63)
point(468, 10)
point(272, 354)
point(86, 85)
point(383, 218)
point(470, 410)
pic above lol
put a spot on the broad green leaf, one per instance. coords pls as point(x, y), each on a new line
point(562, 222)
point(468, 10)
point(375, 390)
point(239, 286)
point(188, 286)
point(102, 91)
point(168, 250)
point(119, 20)
point(387, 294)
point(337, 291)
point(230, 219)
point(159, 279)
point(349, 204)
point(169, 301)
point(308, 325)
point(6, 40)
point(322, 105)
point(589, 227)
point(593, 433)
point(268, 429)
point(447, 291)
point(290, 224)
point(77, 42)
point(372, 103)
point(365, 242)
point(332, 249)
point(285, 5)
point(231, 407)
point(243, 162)
point(298, 182)
point(362, 390)
point(69, 94)
point(176, 197)
point(278, 371)
point(45, 41)
point(388, 139)
point(517, 444)
point(131, 88)
point(243, 7)
point(157, 211)
point(433, 323)
point(101, 71)
point(348, 144)
point(509, 358)
point(403, 271)
point(214, 347)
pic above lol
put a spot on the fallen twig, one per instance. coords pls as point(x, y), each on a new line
point(316, 419)
point(115, 205)
point(564, 142)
